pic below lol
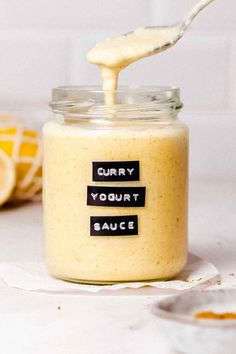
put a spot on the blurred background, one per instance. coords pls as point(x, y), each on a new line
point(43, 44)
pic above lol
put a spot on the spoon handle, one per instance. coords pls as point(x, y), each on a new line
point(195, 11)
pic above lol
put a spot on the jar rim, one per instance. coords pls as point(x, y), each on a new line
point(130, 100)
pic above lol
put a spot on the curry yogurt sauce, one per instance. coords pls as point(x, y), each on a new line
point(159, 251)
point(128, 222)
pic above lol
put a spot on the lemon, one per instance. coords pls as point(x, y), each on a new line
point(7, 177)
point(23, 146)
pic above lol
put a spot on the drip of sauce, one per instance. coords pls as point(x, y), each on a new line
point(115, 54)
point(209, 315)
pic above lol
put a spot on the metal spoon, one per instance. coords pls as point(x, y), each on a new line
point(180, 27)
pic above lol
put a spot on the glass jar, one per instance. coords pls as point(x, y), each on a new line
point(115, 185)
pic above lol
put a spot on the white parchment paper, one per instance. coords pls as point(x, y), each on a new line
point(34, 277)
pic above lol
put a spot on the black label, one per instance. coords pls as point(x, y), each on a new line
point(114, 225)
point(116, 171)
point(116, 196)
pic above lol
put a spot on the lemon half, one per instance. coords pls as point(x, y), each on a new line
point(23, 147)
point(7, 177)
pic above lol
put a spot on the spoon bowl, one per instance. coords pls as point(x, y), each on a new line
point(178, 29)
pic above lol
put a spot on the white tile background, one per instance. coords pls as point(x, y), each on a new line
point(43, 44)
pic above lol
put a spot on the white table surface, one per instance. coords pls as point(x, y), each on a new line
point(114, 323)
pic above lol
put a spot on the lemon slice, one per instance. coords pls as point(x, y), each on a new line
point(23, 146)
point(7, 177)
